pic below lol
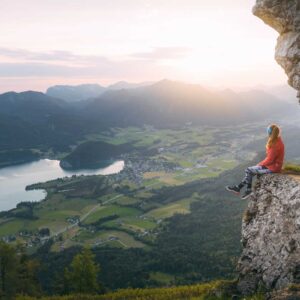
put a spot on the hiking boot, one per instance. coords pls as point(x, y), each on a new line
point(246, 194)
point(234, 189)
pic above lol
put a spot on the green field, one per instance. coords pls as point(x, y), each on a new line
point(109, 210)
point(162, 278)
point(178, 207)
point(122, 239)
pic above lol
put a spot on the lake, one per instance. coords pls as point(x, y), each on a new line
point(14, 179)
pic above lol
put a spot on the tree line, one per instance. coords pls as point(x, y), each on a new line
point(19, 274)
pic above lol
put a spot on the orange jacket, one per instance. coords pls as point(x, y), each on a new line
point(275, 157)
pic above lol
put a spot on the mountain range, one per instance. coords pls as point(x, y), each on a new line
point(86, 91)
point(168, 103)
point(35, 120)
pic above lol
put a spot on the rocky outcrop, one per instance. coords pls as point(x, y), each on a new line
point(284, 16)
point(271, 235)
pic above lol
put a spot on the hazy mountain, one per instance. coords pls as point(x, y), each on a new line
point(33, 119)
point(82, 92)
point(284, 92)
point(30, 105)
point(259, 104)
point(126, 85)
point(169, 103)
point(75, 93)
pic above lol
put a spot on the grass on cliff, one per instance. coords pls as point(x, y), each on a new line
point(292, 169)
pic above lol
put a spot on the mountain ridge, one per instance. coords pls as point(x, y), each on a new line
point(32, 119)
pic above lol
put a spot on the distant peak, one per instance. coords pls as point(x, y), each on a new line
point(24, 93)
point(167, 83)
point(127, 85)
point(74, 93)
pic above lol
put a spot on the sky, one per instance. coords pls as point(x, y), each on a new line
point(217, 43)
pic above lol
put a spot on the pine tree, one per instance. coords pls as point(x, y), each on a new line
point(17, 273)
point(27, 274)
point(8, 271)
point(81, 277)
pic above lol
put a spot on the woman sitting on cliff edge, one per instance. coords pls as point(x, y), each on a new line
point(271, 164)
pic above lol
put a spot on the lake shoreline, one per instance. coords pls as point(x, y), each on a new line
point(16, 182)
point(18, 163)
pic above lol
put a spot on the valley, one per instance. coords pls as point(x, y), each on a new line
point(165, 218)
point(121, 210)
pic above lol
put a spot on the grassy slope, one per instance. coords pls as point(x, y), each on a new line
point(224, 290)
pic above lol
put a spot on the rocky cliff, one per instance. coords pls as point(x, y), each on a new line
point(284, 16)
point(271, 235)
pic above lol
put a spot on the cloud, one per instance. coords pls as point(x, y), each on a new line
point(35, 69)
point(24, 63)
point(156, 54)
point(106, 69)
point(163, 53)
point(62, 56)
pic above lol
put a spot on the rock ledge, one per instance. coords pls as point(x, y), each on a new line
point(271, 235)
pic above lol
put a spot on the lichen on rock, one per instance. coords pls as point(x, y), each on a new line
point(284, 16)
point(271, 235)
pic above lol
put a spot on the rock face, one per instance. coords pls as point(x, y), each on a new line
point(284, 16)
point(271, 235)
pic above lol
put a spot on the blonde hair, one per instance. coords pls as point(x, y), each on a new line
point(274, 135)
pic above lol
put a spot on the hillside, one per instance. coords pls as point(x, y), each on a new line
point(214, 290)
point(182, 250)
point(219, 290)
point(33, 121)
point(94, 154)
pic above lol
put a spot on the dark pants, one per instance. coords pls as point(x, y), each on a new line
point(252, 171)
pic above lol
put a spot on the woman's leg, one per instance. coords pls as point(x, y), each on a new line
point(250, 173)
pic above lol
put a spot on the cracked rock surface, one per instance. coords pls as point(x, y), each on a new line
point(284, 16)
point(271, 235)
